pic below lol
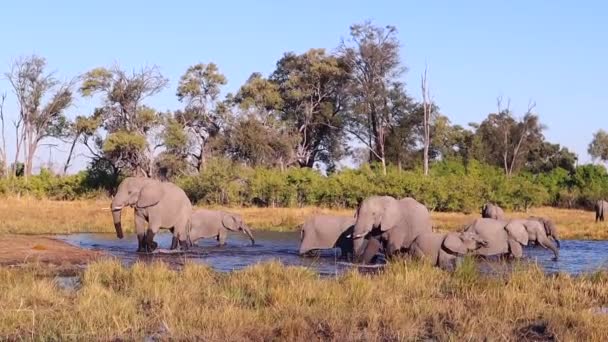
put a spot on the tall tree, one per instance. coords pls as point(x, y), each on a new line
point(38, 120)
point(598, 147)
point(312, 88)
point(199, 88)
point(3, 154)
point(124, 116)
point(427, 111)
point(506, 140)
point(372, 55)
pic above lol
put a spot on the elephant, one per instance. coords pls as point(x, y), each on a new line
point(395, 223)
point(443, 249)
point(161, 204)
point(325, 232)
point(493, 211)
point(216, 224)
point(600, 207)
point(503, 238)
point(550, 228)
point(537, 233)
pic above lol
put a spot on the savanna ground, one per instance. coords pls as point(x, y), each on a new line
point(405, 301)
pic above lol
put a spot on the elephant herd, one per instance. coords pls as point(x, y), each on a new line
point(165, 205)
point(390, 226)
point(381, 225)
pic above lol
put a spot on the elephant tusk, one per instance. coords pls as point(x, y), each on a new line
point(358, 236)
point(116, 208)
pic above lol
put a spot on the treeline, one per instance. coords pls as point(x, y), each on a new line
point(263, 143)
point(452, 186)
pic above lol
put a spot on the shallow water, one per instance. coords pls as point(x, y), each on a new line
point(576, 256)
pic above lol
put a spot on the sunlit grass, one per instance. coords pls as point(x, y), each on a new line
point(41, 216)
point(407, 301)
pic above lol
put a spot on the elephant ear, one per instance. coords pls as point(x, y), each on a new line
point(230, 222)
point(391, 214)
point(518, 232)
point(454, 244)
point(150, 195)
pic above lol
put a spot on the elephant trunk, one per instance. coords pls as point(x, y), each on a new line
point(557, 242)
point(117, 224)
point(247, 232)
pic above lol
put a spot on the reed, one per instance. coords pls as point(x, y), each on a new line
point(406, 301)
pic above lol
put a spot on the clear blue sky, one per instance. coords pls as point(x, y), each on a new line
point(554, 52)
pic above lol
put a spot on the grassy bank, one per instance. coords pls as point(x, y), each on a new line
point(35, 216)
point(273, 302)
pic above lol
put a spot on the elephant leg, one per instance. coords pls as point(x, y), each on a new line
point(153, 228)
point(221, 237)
point(174, 242)
point(515, 248)
point(140, 229)
point(371, 249)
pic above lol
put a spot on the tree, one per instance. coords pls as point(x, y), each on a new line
point(3, 154)
point(546, 157)
point(598, 147)
point(258, 135)
point(312, 88)
point(37, 121)
point(199, 88)
point(506, 141)
point(427, 110)
point(123, 115)
point(174, 159)
point(372, 56)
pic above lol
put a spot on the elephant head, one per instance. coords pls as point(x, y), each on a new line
point(462, 242)
point(234, 222)
point(375, 212)
point(134, 191)
point(517, 232)
point(550, 228)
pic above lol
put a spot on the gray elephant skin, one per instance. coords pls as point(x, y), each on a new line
point(493, 211)
point(395, 223)
point(503, 238)
point(326, 232)
point(216, 224)
point(444, 249)
point(601, 207)
point(161, 204)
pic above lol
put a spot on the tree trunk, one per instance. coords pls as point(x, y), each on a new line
point(67, 162)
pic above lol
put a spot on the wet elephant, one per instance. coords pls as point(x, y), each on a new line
point(504, 238)
point(443, 249)
point(160, 204)
point(395, 223)
point(326, 232)
point(537, 233)
point(216, 224)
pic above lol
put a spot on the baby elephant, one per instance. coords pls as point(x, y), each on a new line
point(326, 232)
point(216, 224)
point(444, 249)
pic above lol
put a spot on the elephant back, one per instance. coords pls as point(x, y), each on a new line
point(416, 220)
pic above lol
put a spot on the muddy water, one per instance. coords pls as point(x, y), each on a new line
point(576, 256)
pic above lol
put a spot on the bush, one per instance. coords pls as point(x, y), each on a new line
point(450, 186)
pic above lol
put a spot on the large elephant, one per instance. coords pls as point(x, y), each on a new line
point(493, 211)
point(601, 207)
point(395, 223)
point(216, 224)
point(443, 249)
point(161, 204)
point(325, 232)
point(537, 233)
point(504, 238)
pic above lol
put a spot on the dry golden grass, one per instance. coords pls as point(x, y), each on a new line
point(36, 216)
point(272, 302)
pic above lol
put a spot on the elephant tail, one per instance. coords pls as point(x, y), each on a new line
point(188, 229)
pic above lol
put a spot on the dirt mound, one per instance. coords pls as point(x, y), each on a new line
point(22, 249)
